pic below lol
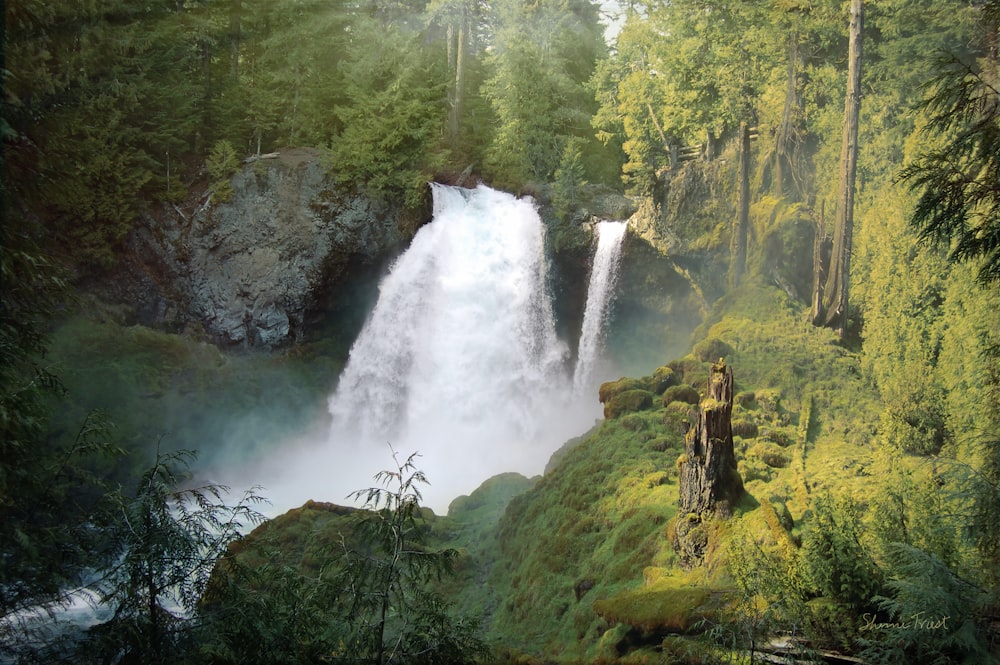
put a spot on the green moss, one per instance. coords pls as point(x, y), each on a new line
point(711, 349)
point(663, 608)
point(662, 378)
point(627, 402)
point(770, 454)
point(610, 389)
point(746, 429)
point(683, 393)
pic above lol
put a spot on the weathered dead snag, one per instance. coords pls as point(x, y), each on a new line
point(709, 484)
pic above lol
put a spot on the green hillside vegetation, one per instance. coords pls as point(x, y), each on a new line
point(868, 446)
point(580, 565)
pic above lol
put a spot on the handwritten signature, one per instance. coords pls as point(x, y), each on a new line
point(918, 621)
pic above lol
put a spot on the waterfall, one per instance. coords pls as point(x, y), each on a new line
point(603, 276)
point(459, 361)
point(460, 358)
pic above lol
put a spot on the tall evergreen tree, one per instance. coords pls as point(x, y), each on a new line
point(835, 302)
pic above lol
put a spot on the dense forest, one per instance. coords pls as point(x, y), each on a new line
point(845, 161)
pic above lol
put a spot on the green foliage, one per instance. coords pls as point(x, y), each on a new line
point(50, 495)
point(390, 616)
point(542, 56)
point(959, 183)
point(569, 178)
point(163, 545)
point(929, 614)
point(835, 562)
point(268, 610)
point(391, 114)
point(222, 164)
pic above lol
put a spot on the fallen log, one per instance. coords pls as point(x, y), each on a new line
point(266, 155)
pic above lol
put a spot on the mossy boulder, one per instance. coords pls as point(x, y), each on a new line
point(662, 378)
point(610, 389)
point(683, 393)
point(690, 370)
point(779, 436)
point(770, 454)
point(753, 468)
point(628, 401)
point(633, 422)
point(746, 429)
point(662, 609)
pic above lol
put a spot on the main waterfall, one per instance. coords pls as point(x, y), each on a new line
point(459, 359)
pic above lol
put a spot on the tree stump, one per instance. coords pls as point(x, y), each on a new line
point(709, 483)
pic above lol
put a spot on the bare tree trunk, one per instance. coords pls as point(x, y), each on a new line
point(708, 483)
point(738, 244)
point(234, 41)
point(835, 300)
point(783, 138)
point(821, 264)
point(460, 54)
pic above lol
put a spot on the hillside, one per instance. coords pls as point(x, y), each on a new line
point(577, 564)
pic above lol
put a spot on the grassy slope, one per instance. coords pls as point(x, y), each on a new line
point(601, 517)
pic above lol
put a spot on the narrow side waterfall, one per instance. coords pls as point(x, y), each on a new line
point(460, 359)
point(603, 276)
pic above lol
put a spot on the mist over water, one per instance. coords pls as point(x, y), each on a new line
point(459, 361)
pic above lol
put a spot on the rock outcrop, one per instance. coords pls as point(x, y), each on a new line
point(249, 271)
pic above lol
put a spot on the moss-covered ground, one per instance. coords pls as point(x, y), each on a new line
point(577, 565)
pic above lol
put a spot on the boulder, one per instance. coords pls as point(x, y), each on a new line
point(248, 271)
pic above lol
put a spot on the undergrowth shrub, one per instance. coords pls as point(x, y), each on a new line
point(221, 164)
point(834, 561)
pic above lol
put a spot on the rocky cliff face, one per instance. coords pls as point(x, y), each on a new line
point(249, 271)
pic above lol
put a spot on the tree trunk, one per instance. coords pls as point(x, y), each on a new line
point(835, 300)
point(460, 55)
point(457, 48)
point(821, 264)
point(783, 138)
point(738, 243)
point(709, 483)
point(234, 41)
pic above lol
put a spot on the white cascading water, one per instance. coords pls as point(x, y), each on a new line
point(459, 361)
point(603, 277)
